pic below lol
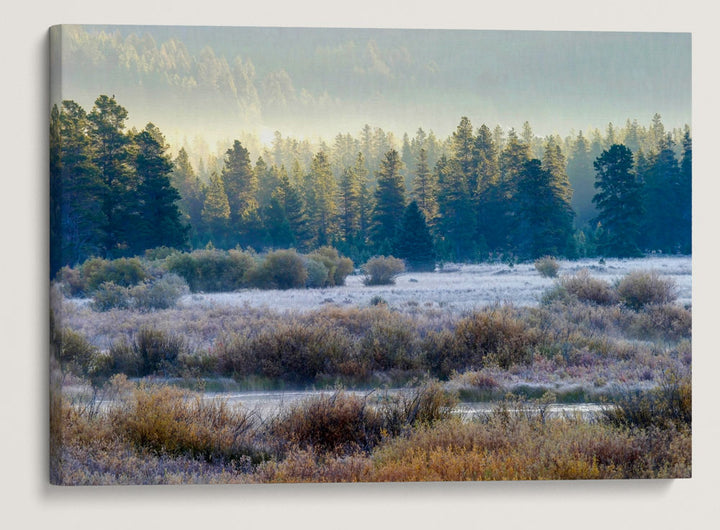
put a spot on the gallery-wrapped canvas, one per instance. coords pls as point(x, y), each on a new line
point(365, 255)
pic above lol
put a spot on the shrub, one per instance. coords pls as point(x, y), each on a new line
point(382, 270)
point(584, 288)
point(495, 335)
point(159, 253)
point(211, 270)
point(337, 268)
point(125, 360)
point(150, 351)
point(337, 422)
point(281, 269)
point(160, 294)
point(390, 344)
point(167, 420)
point(378, 300)
point(317, 273)
point(547, 266)
point(668, 405)
point(111, 296)
point(124, 272)
point(425, 404)
point(76, 352)
point(290, 351)
point(667, 321)
point(344, 269)
point(71, 281)
point(444, 353)
point(641, 288)
point(157, 349)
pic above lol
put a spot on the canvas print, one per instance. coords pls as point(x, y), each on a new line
point(368, 255)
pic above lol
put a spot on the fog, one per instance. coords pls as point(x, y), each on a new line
point(201, 84)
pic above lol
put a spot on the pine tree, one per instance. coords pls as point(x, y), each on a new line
point(632, 136)
point(111, 154)
point(662, 217)
point(277, 224)
point(424, 188)
point(684, 198)
point(321, 200)
point(543, 213)
point(487, 200)
point(350, 195)
point(512, 162)
point(158, 221)
point(188, 184)
point(241, 187)
point(56, 186)
point(562, 214)
point(77, 224)
point(463, 151)
point(389, 203)
point(292, 203)
point(455, 226)
point(216, 211)
point(414, 242)
point(619, 202)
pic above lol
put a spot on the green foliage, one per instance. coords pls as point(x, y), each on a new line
point(544, 213)
point(158, 217)
point(115, 192)
point(75, 352)
point(211, 270)
point(111, 296)
point(124, 272)
point(414, 242)
point(338, 268)
point(317, 273)
point(389, 203)
point(159, 253)
point(619, 202)
point(240, 184)
point(281, 269)
point(641, 288)
point(321, 200)
point(547, 266)
point(382, 270)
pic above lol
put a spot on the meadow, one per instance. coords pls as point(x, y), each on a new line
point(140, 394)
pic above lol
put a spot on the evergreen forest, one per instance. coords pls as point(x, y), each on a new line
point(480, 194)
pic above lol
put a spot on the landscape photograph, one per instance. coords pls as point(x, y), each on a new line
point(331, 255)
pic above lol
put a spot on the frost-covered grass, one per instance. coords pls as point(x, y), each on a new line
point(462, 288)
point(480, 330)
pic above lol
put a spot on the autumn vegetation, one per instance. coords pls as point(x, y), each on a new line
point(633, 357)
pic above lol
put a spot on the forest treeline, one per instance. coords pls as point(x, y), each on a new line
point(479, 194)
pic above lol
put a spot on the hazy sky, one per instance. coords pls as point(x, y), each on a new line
point(218, 82)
